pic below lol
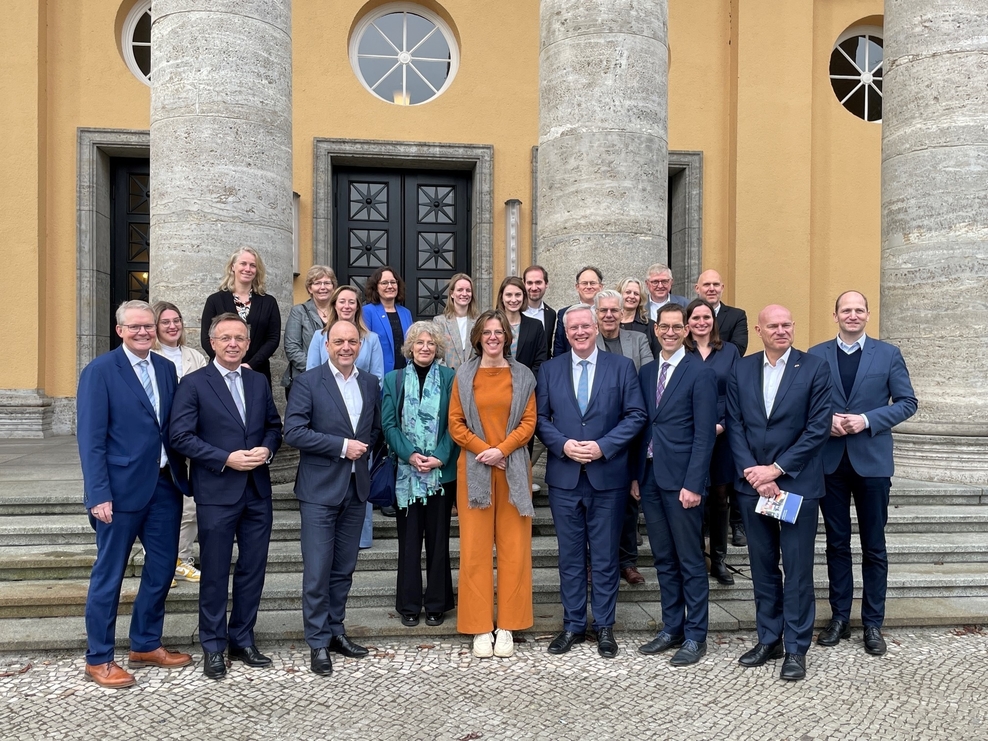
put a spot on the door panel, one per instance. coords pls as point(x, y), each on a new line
point(130, 248)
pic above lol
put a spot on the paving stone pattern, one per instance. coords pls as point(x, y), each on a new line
point(930, 685)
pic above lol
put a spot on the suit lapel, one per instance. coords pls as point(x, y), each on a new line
point(222, 389)
point(329, 381)
point(867, 356)
point(651, 381)
point(130, 378)
point(788, 375)
point(570, 387)
point(671, 383)
point(832, 351)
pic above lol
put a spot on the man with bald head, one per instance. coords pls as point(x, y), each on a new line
point(779, 410)
point(872, 393)
point(732, 322)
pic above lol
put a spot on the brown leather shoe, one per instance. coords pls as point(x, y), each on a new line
point(110, 675)
point(161, 656)
point(632, 575)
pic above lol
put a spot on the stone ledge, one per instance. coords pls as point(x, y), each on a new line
point(25, 413)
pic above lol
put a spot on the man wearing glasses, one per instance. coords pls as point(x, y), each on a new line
point(660, 290)
point(133, 487)
point(589, 281)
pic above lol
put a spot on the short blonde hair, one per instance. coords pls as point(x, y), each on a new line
point(229, 280)
point(320, 271)
point(430, 328)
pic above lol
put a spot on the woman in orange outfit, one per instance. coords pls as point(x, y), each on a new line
point(492, 417)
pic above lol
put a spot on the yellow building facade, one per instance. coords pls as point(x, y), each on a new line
point(790, 207)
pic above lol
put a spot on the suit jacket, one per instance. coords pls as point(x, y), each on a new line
point(882, 376)
point(206, 428)
point(682, 429)
point(673, 298)
point(264, 321)
point(376, 319)
point(120, 437)
point(192, 360)
point(303, 324)
point(721, 362)
point(456, 353)
point(531, 344)
point(549, 326)
point(634, 347)
point(796, 432)
point(392, 406)
point(317, 422)
point(732, 326)
point(614, 417)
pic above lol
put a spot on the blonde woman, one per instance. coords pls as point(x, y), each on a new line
point(457, 320)
point(635, 317)
point(170, 343)
point(242, 292)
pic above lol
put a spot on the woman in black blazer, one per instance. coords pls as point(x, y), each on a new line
point(242, 292)
point(528, 342)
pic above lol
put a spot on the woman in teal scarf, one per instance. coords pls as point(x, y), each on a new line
point(414, 413)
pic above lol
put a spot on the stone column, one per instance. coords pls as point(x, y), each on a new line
point(603, 139)
point(935, 231)
point(221, 148)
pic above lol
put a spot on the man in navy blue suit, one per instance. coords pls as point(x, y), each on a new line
point(778, 420)
point(334, 419)
point(590, 410)
point(133, 487)
point(867, 375)
point(225, 421)
point(680, 395)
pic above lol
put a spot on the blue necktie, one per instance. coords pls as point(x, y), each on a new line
point(583, 388)
point(231, 381)
point(146, 383)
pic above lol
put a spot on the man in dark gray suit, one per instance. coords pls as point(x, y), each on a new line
point(334, 419)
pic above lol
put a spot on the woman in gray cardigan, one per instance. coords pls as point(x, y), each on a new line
point(307, 319)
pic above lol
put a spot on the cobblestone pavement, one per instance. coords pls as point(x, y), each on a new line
point(932, 684)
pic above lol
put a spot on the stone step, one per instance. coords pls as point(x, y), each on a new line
point(368, 625)
point(64, 529)
point(282, 591)
point(70, 561)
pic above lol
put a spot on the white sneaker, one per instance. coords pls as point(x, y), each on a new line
point(536, 488)
point(504, 646)
point(186, 571)
point(483, 647)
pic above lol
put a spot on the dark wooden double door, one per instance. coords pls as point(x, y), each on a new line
point(418, 222)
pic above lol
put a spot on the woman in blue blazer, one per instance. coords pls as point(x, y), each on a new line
point(704, 340)
point(384, 292)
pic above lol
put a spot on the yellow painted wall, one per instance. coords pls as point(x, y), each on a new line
point(791, 180)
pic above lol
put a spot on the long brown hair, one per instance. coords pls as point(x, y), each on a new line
point(512, 280)
point(715, 342)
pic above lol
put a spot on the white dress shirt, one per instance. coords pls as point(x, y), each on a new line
point(350, 391)
point(238, 382)
point(464, 325)
point(673, 362)
point(578, 371)
point(771, 378)
point(134, 360)
point(536, 312)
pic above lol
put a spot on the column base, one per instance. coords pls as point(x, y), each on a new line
point(25, 413)
point(953, 459)
point(285, 465)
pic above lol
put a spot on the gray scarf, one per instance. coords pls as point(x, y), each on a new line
point(517, 468)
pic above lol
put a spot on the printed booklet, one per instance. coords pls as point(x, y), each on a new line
point(785, 508)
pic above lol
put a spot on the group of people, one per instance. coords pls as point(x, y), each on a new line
point(636, 396)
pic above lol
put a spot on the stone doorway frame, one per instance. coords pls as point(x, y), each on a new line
point(475, 158)
point(96, 148)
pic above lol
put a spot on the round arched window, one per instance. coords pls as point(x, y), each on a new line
point(856, 71)
point(136, 41)
point(404, 53)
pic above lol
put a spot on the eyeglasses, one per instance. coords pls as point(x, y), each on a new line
point(659, 281)
point(323, 284)
point(608, 311)
point(492, 333)
point(136, 328)
point(579, 328)
point(170, 322)
point(663, 328)
point(238, 338)
point(588, 284)
point(387, 283)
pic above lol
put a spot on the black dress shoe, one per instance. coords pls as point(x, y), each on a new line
point(389, 511)
point(720, 572)
point(835, 630)
point(690, 653)
point(738, 538)
point(320, 662)
point(662, 642)
point(606, 645)
point(761, 653)
point(873, 641)
point(214, 665)
point(793, 668)
point(565, 640)
point(433, 619)
point(250, 656)
point(341, 644)
point(409, 621)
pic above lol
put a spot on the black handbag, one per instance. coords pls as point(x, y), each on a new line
point(383, 475)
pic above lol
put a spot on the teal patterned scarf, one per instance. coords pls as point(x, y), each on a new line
point(420, 424)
